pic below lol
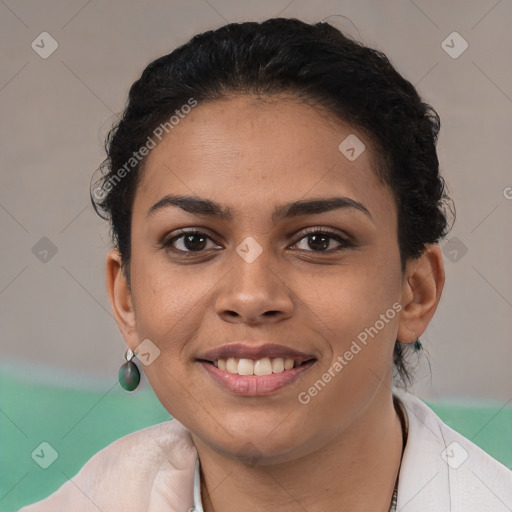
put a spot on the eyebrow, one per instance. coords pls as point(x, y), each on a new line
point(200, 206)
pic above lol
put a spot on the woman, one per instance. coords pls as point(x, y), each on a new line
point(275, 202)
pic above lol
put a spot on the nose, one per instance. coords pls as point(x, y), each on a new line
point(254, 293)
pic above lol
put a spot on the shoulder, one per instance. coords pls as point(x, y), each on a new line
point(442, 470)
point(154, 465)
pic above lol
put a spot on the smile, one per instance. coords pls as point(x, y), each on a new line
point(265, 366)
point(255, 370)
point(251, 384)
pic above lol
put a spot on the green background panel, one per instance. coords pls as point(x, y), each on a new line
point(77, 423)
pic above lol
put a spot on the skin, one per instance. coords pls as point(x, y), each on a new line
point(251, 155)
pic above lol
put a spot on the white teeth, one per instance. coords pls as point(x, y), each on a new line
point(265, 366)
point(246, 367)
point(232, 365)
point(277, 365)
point(288, 364)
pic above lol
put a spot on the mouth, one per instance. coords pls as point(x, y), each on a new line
point(259, 367)
point(255, 371)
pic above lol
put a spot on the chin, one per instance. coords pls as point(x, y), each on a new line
point(256, 444)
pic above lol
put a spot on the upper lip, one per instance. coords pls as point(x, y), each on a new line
point(243, 351)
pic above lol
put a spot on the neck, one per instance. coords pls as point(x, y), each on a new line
point(357, 468)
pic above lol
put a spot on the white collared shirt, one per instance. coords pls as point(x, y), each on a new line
point(155, 469)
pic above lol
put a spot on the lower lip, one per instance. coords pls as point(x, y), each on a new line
point(255, 385)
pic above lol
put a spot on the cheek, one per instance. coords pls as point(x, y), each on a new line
point(353, 297)
point(169, 307)
point(357, 310)
point(358, 325)
point(169, 302)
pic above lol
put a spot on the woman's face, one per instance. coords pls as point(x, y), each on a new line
point(310, 280)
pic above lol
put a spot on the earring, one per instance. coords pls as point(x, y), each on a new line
point(417, 345)
point(129, 375)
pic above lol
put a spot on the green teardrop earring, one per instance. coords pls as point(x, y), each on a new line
point(417, 345)
point(129, 375)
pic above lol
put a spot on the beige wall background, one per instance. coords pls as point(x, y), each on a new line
point(55, 111)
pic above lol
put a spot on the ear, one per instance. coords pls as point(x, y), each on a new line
point(120, 297)
point(421, 291)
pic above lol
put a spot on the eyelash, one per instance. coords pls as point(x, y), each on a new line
point(344, 242)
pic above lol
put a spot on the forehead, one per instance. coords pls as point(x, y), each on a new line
point(250, 152)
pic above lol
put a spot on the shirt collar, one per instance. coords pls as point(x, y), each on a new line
point(427, 481)
point(198, 505)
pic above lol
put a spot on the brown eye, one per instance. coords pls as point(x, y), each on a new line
point(189, 241)
point(322, 241)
